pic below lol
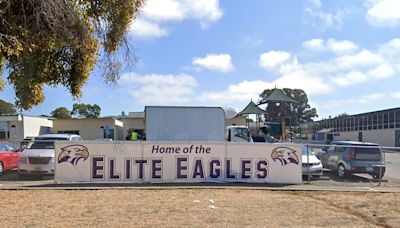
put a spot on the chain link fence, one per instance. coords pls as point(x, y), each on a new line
point(330, 165)
point(19, 170)
point(351, 164)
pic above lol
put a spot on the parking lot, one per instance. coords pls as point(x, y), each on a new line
point(393, 165)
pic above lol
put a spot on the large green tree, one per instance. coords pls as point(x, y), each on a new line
point(86, 110)
point(6, 108)
point(57, 42)
point(61, 113)
point(298, 113)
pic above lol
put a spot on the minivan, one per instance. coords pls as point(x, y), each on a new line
point(348, 157)
point(38, 156)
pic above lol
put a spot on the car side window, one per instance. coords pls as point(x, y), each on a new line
point(339, 149)
point(331, 149)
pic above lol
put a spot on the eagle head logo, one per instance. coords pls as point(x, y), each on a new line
point(73, 153)
point(284, 155)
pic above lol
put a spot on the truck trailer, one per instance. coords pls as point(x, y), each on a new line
point(179, 123)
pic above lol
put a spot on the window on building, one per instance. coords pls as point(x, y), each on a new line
point(74, 132)
point(385, 117)
point(391, 119)
point(108, 133)
point(375, 121)
point(3, 134)
point(397, 119)
point(365, 123)
point(370, 121)
point(380, 121)
point(358, 124)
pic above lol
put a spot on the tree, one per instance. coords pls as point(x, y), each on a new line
point(298, 113)
point(61, 113)
point(57, 43)
point(6, 108)
point(342, 115)
point(86, 110)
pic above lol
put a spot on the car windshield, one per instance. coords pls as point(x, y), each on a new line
point(44, 142)
point(242, 133)
point(41, 145)
point(50, 139)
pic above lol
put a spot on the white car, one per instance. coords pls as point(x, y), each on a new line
point(38, 156)
point(314, 165)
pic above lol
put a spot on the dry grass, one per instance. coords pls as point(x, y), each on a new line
point(191, 207)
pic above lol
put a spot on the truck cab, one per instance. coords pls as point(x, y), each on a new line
point(237, 134)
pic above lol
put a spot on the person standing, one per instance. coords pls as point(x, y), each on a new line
point(134, 135)
point(128, 134)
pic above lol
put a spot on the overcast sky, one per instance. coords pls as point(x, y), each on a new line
point(344, 53)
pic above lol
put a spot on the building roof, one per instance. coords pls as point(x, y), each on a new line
point(251, 108)
point(278, 95)
point(361, 114)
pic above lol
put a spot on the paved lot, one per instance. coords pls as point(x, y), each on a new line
point(393, 165)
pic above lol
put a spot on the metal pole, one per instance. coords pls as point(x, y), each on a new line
point(308, 166)
point(380, 166)
point(283, 128)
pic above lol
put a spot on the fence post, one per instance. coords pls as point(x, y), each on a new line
point(308, 166)
point(380, 165)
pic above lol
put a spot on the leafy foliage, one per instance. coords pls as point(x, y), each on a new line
point(57, 43)
point(7, 108)
point(61, 113)
point(299, 113)
point(342, 115)
point(86, 110)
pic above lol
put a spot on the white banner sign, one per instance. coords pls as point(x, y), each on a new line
point(163, 162)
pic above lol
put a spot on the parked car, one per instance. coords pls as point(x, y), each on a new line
point(38, 156)
point(348, 157)
point(8, 157)
point(314, 166)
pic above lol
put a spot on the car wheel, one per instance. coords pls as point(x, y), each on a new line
point(341, 171)
point(1, 168)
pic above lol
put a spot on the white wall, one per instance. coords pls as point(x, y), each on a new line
point(346, 136)
point(34, 126)
point(89, 129)
point(384, 137)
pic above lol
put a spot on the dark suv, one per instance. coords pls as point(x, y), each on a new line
point(347, 157)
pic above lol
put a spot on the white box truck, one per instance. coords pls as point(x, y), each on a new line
point(176, 123)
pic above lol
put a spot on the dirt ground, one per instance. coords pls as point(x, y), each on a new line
point(196, 208)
